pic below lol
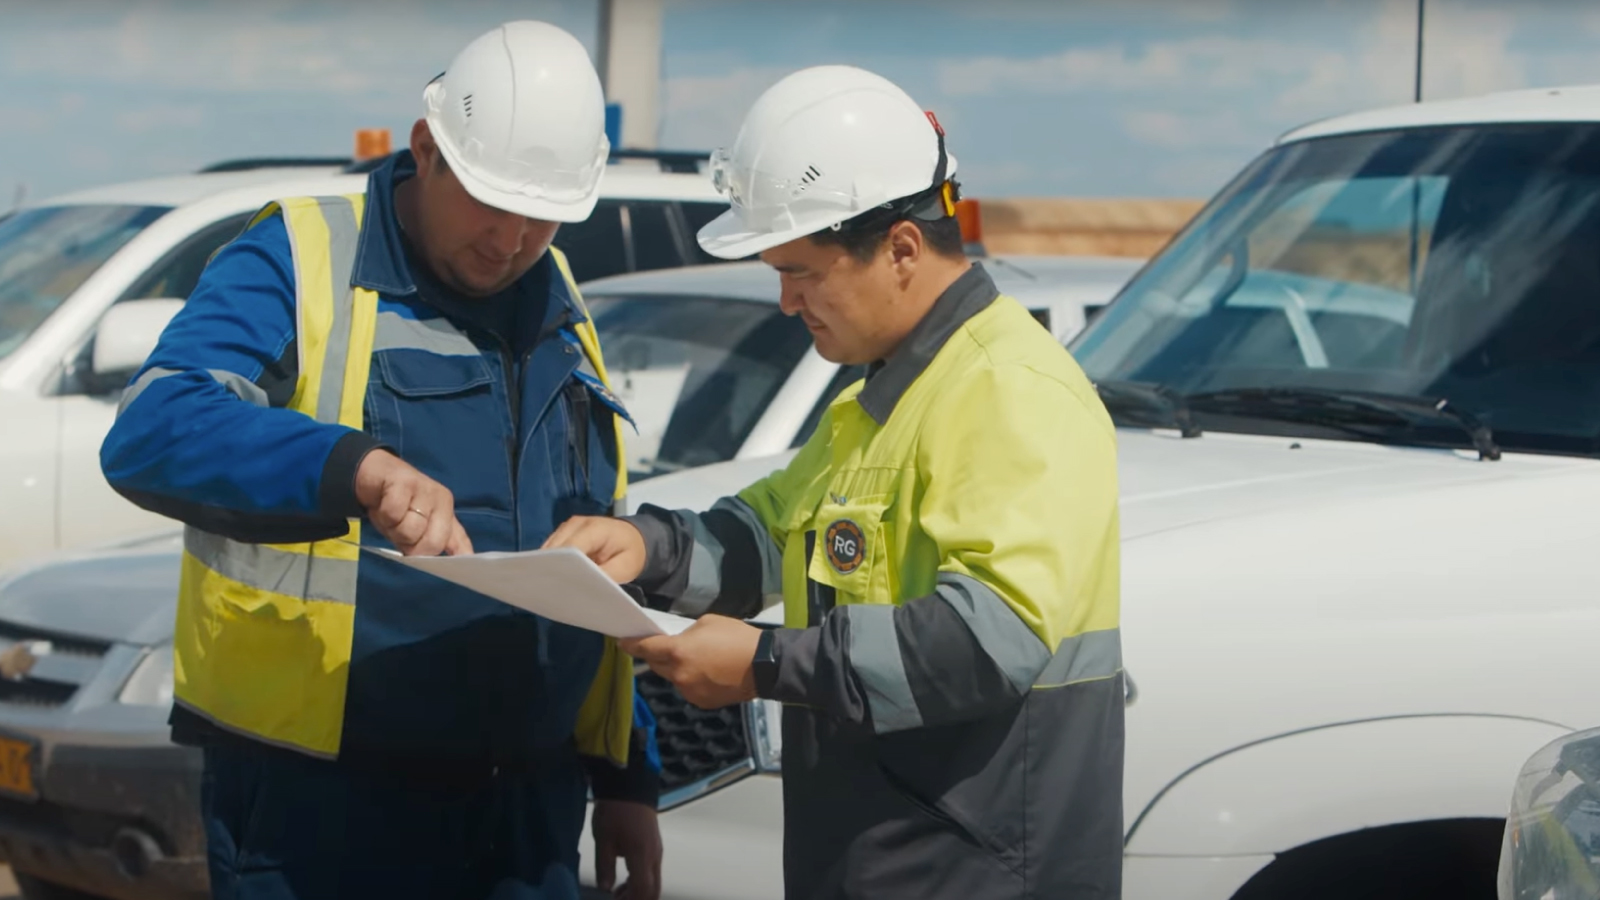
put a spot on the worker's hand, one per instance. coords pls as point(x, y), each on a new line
point(711, 662)
point(615, 546)
point(627, 829)
point(415, 512)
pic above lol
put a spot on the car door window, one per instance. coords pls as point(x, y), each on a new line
point(658, 238)
point(599, 245)
point(176, 275)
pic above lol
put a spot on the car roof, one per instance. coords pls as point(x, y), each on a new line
point(1021, 276)
point(1578, 103)
point(628, 180)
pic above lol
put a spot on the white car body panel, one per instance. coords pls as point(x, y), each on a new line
point(29, 470)
point(1579, 103)
point(1271, 796)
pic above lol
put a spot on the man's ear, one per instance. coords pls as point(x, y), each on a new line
point(906, 244)
point(423, 147)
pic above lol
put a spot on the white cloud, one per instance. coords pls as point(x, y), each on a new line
point(266, 46)
point(1300, 74)
point(703, 111)
point(1187, 131)
point(1468, 51)
point(1208, 61)
point(160, 116)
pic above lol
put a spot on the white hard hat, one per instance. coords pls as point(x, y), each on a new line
point(520, 118)
point(820, 147)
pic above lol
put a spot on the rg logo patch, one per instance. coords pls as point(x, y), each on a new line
point(845, 545)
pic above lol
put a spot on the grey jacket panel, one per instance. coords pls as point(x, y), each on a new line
point(1026, 803)
point(722, 561)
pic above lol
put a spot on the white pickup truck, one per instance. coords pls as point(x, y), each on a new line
point(88, 281)
point(1358, 402)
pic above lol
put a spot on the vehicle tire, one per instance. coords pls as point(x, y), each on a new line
point(1455, 860)
point(33, 888)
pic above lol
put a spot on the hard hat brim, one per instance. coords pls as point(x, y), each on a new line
point(727, 237)
point(540, 208)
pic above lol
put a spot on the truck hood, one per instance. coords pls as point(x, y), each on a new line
point(127, 593)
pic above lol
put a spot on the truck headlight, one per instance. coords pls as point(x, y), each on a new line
point(151, 681)
point(764, 724)
point(1552, 841)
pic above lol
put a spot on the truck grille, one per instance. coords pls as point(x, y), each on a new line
point(695, 744)
point(55, 676)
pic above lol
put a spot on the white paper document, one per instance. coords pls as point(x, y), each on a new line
point(562, 585)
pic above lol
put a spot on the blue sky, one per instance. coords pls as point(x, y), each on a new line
point(1040, 97)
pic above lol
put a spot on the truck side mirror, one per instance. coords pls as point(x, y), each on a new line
point(126, 336)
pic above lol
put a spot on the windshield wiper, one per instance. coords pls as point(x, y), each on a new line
point(1334, 405)
point(1138, 396)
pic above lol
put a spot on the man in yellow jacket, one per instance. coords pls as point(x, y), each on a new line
point(945, 545)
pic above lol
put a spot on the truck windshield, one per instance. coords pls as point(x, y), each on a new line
point(47, 253)
point(1452, 265)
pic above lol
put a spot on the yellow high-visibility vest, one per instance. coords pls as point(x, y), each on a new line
point(264, 631)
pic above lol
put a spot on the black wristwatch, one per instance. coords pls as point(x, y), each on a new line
point(765, 664)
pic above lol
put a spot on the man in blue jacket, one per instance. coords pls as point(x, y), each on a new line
point(410, 368)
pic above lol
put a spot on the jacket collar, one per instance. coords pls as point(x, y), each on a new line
point(888, 380)
point(381, 257)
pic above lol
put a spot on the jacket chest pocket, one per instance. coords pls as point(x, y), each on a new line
point(850, 553)
point(444, 415)
point(583, 446)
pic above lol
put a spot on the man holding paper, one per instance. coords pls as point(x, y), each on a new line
point(945, 546)
point(408, 369)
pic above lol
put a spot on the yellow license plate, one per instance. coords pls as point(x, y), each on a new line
point(16, 767)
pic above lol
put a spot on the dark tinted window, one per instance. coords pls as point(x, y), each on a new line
point(47, 253)
point(658, 238)
point(596, 247)
point(176, 275)
point(696, 373)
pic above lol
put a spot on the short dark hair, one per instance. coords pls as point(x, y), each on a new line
point(943, 236)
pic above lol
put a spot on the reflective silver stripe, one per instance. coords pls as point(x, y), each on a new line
point(282, 745)
point(1090, 656)
point(269, 569)
point(1013, 646)
point(242, 387)
point(875, 657)
point(149, 377)
point(343, 232)
point(705, 570)
point(771, 553)
point(436, 336)
point(705, 560)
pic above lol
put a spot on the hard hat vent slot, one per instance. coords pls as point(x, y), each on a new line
point(806, 178)
point(466, 105)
